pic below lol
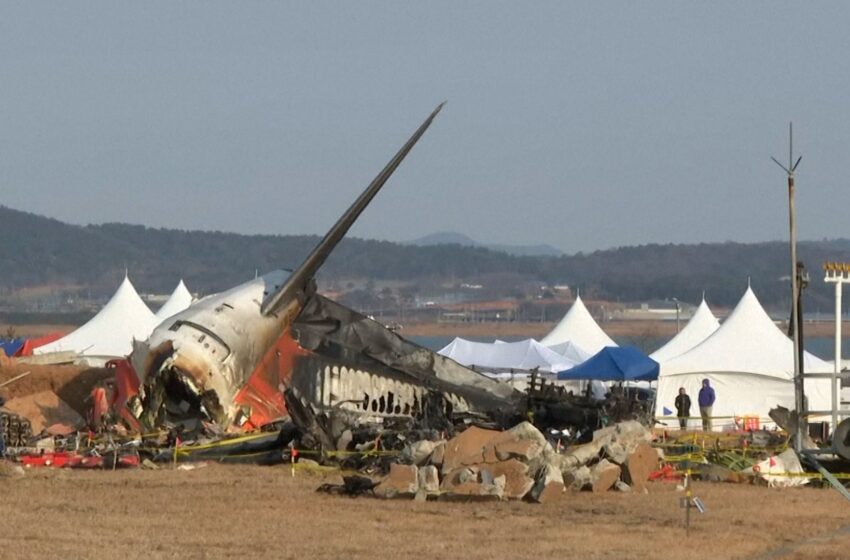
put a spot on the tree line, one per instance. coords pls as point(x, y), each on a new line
point(38, 251)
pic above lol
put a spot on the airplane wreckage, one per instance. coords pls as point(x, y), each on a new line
point(273, 348)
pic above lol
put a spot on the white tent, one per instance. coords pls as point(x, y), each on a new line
point(571, 351)
point(578, 327)
point(524, 355)
point(179, 300)
point(110, 333)
point(750, 364)
point(701, 326)
point(498, 358)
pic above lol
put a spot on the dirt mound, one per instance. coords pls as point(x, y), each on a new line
point(71, 385)
point(44, 409)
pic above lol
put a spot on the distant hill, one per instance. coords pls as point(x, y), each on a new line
point(455, 238)
point(38, 251)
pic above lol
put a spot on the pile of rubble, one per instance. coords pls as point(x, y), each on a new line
point(521, 464)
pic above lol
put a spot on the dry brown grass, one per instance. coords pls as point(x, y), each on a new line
point(261, 512)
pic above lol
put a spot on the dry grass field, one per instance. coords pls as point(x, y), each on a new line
point(262, 512)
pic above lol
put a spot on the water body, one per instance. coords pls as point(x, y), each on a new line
point(820, 346)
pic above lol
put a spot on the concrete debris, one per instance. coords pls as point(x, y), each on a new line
point(403, 480)
point(578, 479)
point(642, 462)
point(438, 455)
point(549, 486)
point(520, 463)
point(517, 481)
point(467, 448)
point(459, 476)
point(604, 475)
point(495, 490)
point(419, 452)
point(621, 486)
point(615, 451)
point(525, 450)
point(429, 479)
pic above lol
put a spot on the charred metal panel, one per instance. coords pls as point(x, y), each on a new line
point(346, 337)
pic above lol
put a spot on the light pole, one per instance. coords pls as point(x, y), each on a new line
point(838, 274)
point(792, 218)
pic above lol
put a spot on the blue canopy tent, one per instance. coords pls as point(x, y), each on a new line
point(11, 346)
point(612, 363)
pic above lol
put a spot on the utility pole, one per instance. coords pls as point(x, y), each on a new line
point(676, 301)
point(799, 399)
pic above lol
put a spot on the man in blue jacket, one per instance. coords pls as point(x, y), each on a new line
point(706, 401)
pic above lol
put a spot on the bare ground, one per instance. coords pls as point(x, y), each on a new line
point(262, 512)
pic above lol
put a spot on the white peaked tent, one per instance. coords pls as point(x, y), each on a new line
point(523, 355)
point(578, 327)
point(701, 326)
point(110, 333)
point(179, 300)
point(572, 352)
point(749, 362)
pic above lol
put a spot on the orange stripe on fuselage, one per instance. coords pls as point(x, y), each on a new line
point(263, 392)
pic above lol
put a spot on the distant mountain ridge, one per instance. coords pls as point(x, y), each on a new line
point(455, 238)
point(39, 251)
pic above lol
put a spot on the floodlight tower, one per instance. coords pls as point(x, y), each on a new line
point(838, 274)
point(799, 399)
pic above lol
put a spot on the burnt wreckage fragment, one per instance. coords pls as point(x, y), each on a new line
point(356, 371)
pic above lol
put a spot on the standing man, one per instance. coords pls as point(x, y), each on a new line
point(683, 408)
point(706, 401)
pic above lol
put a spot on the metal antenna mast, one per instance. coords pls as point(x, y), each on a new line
point(792, 214)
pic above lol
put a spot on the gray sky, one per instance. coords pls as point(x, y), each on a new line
point(582, 125)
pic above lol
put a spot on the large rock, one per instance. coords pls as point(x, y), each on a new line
point(549, 486)
point(438, 454)
point(460, 475)
point(616, 442)
point(429, 479)
point(517, 481)
point(403, 480)
point(578, 479)
point(632, 433)
point(525, 431)
point(418, 453)
point(641, 463)
point(477, 446)
point(615, 451)
point(581, 455)
point(467, 448)
point(479, 490)
point(621, 486)
point(604, 475)
point(525, 450)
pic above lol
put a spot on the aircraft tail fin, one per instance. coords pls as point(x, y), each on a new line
point(300, 278)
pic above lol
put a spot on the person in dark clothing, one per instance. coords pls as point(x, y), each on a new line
point(706, 402)
point(683, 407)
